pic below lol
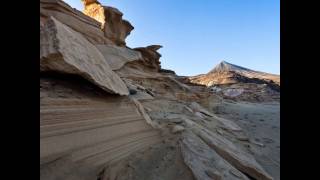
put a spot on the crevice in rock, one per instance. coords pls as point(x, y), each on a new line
point(248, 176)
point(75, 79)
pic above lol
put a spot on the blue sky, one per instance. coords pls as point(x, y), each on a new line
point(198, 34)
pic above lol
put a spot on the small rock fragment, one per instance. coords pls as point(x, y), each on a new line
point(213, 175)
point(132, 91)
point(177, 129)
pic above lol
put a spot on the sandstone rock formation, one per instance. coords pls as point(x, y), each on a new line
point(151, 56)
point(118, 56)
point(66, 51)
point(114, 27)
point(83, 127)
point(88, 27)
point(110, 112)
point(205, 163)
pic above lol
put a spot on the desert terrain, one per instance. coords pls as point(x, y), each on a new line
point(111, 112)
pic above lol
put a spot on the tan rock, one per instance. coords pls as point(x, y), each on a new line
point(238, 158)
point(151, 57)
point(118, 56)
point(66, 51)
point(145, 115)
point(83, 128)
point(233, 154)
point(114, 27)
point(204, 162)
point(197, 108)
point(94, 9)
point(225, 123)
point(177, 129)
point(88, 27)
point(88, 2)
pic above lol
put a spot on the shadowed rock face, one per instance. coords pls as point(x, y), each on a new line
point(167, 127)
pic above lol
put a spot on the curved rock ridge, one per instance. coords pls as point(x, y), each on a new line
point(112, 24)
point(64, 50)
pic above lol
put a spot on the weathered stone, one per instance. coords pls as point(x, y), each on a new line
point(204, 162)
point(145, 114)
point(177, 129)
point(118, 56)
point(151, 56)
point(238, 158)
point(82, 128)
point(88, 27)
point(66, 51)
point(114, 27)
point(87, 132)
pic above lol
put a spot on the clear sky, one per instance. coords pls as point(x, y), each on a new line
point(198, 34)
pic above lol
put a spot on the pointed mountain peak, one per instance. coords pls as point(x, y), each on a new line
point(224, 62)
point(225, 66)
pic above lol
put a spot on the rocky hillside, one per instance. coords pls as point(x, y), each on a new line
point(110, 112)
point(239, 83)
point(227, 73)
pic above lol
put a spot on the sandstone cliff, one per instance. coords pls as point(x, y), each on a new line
point(108, 111)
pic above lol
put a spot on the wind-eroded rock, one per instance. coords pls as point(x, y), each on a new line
point(114, 27)
point(151, 57)
point(88, 27)
point(164, 129)
point(118, 56)
point(64, 50)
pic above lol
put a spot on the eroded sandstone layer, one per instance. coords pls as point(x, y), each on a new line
point(110, 112)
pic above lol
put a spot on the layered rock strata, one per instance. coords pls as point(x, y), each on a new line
point(109, 112)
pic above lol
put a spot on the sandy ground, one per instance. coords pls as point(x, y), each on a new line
point(261, 121)
point(159, 162)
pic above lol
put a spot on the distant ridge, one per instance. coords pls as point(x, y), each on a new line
point(226, 66)
point(227, 73)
